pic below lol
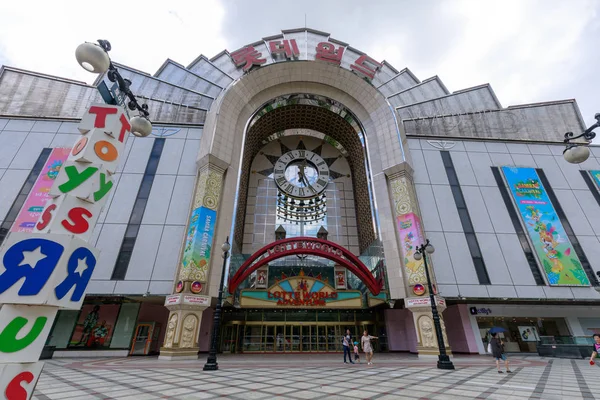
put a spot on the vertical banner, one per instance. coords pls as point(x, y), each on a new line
point(196, 254)
point(34, 205)
point(409, 227)
point(548, 237)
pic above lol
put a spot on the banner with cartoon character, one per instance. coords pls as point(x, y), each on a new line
point(409, 226)
point(37, 198)
point(548, 237)
point(196, 254)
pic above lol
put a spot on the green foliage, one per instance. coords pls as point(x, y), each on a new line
point(547, 266)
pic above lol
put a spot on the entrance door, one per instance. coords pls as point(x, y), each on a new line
point(141, 340)
point(294, 341)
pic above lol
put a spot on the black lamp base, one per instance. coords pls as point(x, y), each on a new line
point(444, 362)
point(210, 366)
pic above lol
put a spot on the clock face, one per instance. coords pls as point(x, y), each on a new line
point(301, 174)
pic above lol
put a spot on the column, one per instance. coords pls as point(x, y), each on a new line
point(410, 234)
point(190, 292)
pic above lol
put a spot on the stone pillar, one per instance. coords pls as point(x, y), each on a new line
point(190, 292)
point(410, 234)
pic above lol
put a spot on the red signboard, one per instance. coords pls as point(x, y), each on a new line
point(306, 245)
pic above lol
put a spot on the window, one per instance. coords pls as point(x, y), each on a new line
point(13, 212)
point(465, 220)
point(139, 207)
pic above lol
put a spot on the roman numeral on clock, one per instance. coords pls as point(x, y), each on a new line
point(281, 180)
point(321, 182)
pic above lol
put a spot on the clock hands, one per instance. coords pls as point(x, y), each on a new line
point(302, 176)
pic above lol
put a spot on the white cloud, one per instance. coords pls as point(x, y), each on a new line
point(42, 35)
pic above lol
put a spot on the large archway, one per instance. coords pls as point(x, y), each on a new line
point(223, 139)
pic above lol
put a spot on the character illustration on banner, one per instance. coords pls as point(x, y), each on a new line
point(88, 325)
point(262, 277)
point(550, 239)
point(54, 169)
point(99, 335)
point(409, 260)
point(341, 279)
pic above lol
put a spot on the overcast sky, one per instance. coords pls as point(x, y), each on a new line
point(528, 50)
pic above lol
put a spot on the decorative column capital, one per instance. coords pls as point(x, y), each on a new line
point(399, 170)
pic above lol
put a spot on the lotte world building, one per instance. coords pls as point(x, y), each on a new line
point(325, 169)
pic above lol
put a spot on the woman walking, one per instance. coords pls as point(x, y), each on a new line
point(365, 343)
point(498, 352)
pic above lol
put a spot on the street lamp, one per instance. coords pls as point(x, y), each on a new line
point(211, 361)
point(94, 58)
point(578, 153)
point(443, 359)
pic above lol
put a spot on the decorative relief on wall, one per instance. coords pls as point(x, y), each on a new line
point(401, 193)
point(189, 328)
point(171, 328)
point(442, 144)
point(426, 331)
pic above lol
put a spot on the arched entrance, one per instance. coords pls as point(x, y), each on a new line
point(311, 246)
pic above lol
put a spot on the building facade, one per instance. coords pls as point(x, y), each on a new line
point(324, 168)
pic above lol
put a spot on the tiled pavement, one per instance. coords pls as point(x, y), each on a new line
point(316, 377)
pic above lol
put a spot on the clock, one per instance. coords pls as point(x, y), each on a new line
point(301, 174)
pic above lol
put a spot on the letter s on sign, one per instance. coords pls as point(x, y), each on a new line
point(14, 390)
point(79, 224)
point(46, 217)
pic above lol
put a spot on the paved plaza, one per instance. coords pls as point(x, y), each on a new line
point(320, 376)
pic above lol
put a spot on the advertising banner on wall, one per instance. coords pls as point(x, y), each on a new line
point(196, 254)
point(596, 177)
point(409, 226)
point(34, 205)
point(548, 237)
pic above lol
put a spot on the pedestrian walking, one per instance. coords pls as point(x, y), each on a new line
point(497, 346)
point(596, 348)
point(356, 355)
point(346, 342)
point(365, 343)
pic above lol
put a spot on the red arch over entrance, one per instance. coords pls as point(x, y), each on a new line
point(306, 245)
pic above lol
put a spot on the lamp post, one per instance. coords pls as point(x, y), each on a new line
point(577, 153)
point(443, 359)
point(211, 361)
point(94, 58)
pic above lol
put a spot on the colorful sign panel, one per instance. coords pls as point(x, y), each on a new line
point(409, 226)
point(301, 291)
point(196, 254)
point(34, 205)
point(548, 237)
point(596, 177)
point(50, 267)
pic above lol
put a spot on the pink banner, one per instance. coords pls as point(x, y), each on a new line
point(409, 227)
point(31, 210)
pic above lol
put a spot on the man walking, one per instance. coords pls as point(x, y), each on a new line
point(346, 342)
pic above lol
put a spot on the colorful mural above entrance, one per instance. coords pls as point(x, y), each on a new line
point(552, 245)
point(301, 290)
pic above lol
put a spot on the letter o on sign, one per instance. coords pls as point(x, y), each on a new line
point(79, 146)
point(106, 151)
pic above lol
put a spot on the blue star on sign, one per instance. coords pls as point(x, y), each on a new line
point(80, 267)
point(33, 259)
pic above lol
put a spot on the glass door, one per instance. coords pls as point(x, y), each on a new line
point(322, 339)
point(294, 338)
point(253, 340)
point(333, 338)
point(305, 338)
point(280, 340)
point(313, 338)
point(269, 342)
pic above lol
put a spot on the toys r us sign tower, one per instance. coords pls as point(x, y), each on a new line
point(49, 269)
